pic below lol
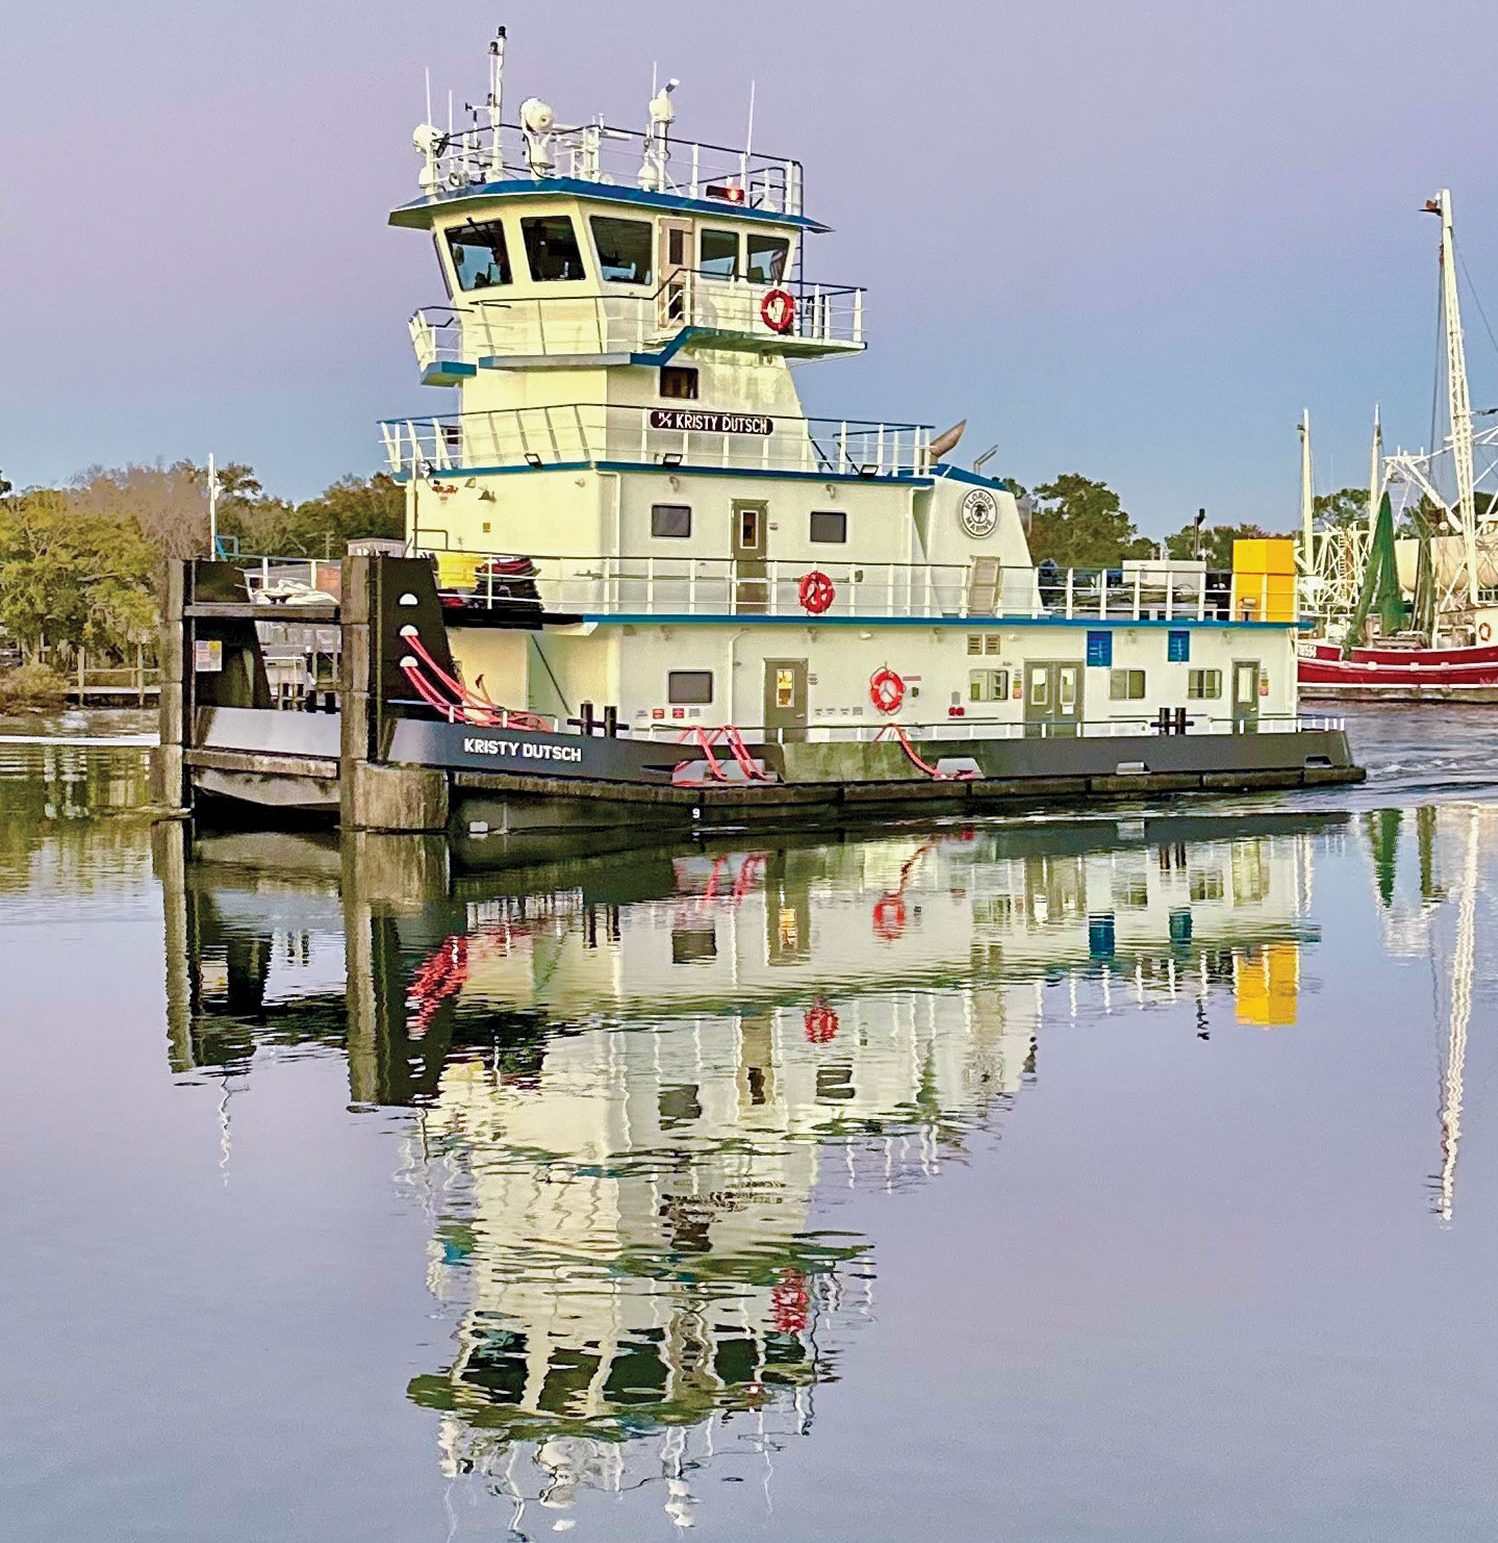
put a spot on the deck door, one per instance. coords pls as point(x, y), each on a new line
point(1245, 696)
point(674, 296)
point(751, 586)
point(1053, 699)
point(785, 700)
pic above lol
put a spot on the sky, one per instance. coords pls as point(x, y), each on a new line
point(1132, 241)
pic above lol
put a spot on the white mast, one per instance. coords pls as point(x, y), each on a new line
point(212, 507)
point(1458, 402)
point(1375, 472)
point(1307, 499)
point(495, 103)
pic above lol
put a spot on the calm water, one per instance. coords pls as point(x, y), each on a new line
point(1129, 1177)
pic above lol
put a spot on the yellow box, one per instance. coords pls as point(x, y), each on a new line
point(1269, 987)
point(1273, 555)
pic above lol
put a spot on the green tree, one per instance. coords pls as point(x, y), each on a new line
point(1216, 542)
point(1079, 523)
point(1336, 511)
point(71, 578)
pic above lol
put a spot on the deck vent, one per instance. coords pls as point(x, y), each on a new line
point(1131, 769)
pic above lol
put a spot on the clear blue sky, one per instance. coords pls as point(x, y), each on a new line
point(1127, 240)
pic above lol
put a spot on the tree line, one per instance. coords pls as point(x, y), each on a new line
point(83, 566)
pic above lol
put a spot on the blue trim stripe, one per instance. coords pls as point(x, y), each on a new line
point(420, 213)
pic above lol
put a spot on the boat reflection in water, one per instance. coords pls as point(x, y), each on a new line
point(640, 1084)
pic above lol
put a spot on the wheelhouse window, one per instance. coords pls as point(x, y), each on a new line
point(626, 250)
point(829, 525)
point(551, 250)
point(679, 382)
point(689, 687)
point(718, 254)
point(671, 520)
point(766, 257)
point(480, 256)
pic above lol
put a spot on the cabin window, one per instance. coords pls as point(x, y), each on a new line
point(671, 520)
point(626, 250)
point(1178, 647)
point(766, 257)
point(1202, 685)
point(984, 643)
point(679, 382)
point(1126, 685)
point(988, 686)
point(479, 254)
point(829, 525)
point(551, 250)
point(718, 254)
point(689, 687)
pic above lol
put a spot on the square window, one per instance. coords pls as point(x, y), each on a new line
point(671, 520)
point(829, 525)
point(678, 383)
point(551, 249)
point(988, 686)
point(1202, 685)
point(479, 254)
point(1100, 648)
point(689, 686)
point(626, 249)
point(1178, 647)
point(1126, 685)
point(767, 257)
point(718, 254)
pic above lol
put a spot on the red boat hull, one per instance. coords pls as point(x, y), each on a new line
point(1400, 674)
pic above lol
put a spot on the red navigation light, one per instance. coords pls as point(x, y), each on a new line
point(729, 192)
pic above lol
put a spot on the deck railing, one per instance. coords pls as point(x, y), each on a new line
point(826, 318)
point(982, 590)
point(597, 152)
point(668, 435)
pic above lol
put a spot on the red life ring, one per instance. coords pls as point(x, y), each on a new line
point(820, 1023)
point(778, 310)
point(889, 917)
point(816, 592)
point(886, 690)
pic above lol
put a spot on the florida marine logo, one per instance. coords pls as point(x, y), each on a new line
point(980, 514)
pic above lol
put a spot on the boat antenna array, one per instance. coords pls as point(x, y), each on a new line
point(456, 159)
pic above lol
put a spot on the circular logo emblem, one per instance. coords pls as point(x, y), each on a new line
point(980, 513)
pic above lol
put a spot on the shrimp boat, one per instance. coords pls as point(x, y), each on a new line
point(1412, 619)
point(636, 573)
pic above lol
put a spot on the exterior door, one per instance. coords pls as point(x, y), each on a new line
point(1245, 696)
point(674, 262)
point(785, 700)
point(751, 585)
point(1053, 699)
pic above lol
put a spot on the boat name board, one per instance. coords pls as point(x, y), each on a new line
point(686, 420)
point(522, 750)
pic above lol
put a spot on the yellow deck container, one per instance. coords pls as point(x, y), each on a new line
point(1264, 580)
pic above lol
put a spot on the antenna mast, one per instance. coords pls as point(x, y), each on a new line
point(1375, 472)
point(1458, 401)
point(496, 102)
point(212, 507)
point(1307, 498)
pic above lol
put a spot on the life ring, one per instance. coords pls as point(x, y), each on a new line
point(1484, 632)
point(816, 592)
point(886, 690)
point(820, 1023)
point(889, 917)
point(778, 310)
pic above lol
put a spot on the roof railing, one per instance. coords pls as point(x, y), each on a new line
point(597, 152)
